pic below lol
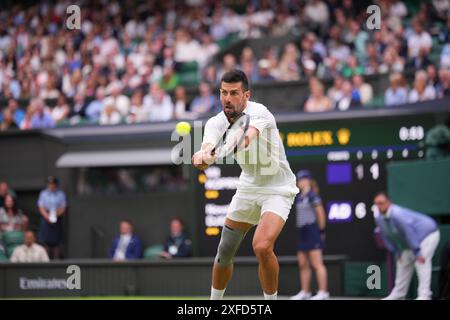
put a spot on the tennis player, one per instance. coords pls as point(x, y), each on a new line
point(266, 189)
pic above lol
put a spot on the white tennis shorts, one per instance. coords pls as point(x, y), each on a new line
point(249, 207)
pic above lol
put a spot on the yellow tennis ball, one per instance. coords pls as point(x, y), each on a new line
point(183, 128)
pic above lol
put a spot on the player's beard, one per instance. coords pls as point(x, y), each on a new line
point(231, 112)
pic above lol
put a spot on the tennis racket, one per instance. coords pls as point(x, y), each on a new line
point(232, 138)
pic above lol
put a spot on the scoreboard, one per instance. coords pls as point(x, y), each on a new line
point(347, 157)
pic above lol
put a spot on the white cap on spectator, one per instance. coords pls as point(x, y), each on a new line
point(264, 64)
point(309, 64)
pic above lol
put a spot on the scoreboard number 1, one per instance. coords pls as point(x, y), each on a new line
point(374, 170)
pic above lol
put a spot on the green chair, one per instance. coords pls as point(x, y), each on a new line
point(377, 102)
point(189, 75)
point(3, 256)
point(11, 238)
point(153, 252)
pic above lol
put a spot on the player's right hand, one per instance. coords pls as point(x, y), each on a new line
point(202, 160)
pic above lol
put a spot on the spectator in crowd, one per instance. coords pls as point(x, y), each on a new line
point(17, 113)
point(228, 63)
point(444, 33)
point(126, 246)
point(433, 77)
point(309, 56)
point(42, 118)
point(94, 108)
point(397, 93)
point(419, 40)
point(11, 217)
point(30, 251)
point(210, 75)
point(349, 99)
point(445, 57)
point(250, 71)
point(52, 206)
point(317, 102)
point(110, 115)
point(61, 110)
point(120, 101)
point(78, 111)
point(49, 91)
point(283, 24)
point(170, 79)
point(364, 89)
point(8, 122)
point(159, 104)
point(11, 87)
point(178, 244)
point(288, 68)
point(412, 237)
point(352, 68)
point(133, 52)
point(421, 90)
point(137, 111)
point(335, 92)
point(208, 48)
point(392, 61)
point(187, 49)
point(397, 12)
point(218, 29)
point(132, 79)
point(248, 63)
point(330, 68)
point(317, 15)
point(181, 104)
point(264, 74)
point(358, 37)
point(205, 103)
point(419, 61)
point(444, 79)
point(270, 54)
point(26, 122)
point(4, 191)
point(370, 56)
point(336, 48)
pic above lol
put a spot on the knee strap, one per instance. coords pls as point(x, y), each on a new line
point(229, 244)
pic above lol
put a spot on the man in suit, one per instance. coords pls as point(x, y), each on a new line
point(126, 246)
point(412, 237)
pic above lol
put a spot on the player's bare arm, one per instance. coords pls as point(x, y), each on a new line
point(205, 157)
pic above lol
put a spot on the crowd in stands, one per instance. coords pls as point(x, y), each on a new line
point(131, 61)
point(18, 243)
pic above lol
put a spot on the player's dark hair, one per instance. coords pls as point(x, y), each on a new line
point(127, 221)
point(235, 76)
point(181, 221)
point(382, 193)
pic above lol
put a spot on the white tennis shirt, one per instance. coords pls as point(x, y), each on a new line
point(265, 168)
